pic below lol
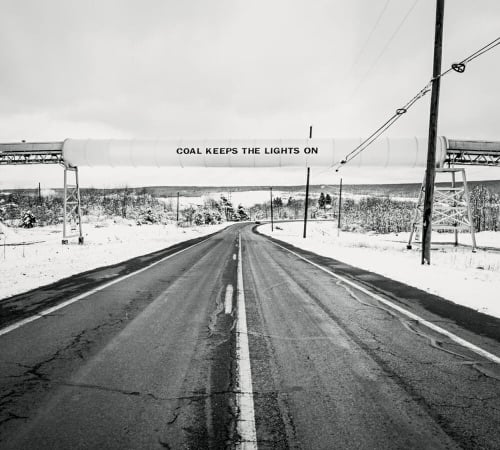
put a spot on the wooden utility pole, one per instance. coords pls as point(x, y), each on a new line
point(272, 221)
point(430, 173)
point(340, 207)
point(307, 189)
point(177, 208)
point(307, 201)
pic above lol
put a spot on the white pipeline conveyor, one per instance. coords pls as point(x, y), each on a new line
point(386, 152)
point(325, 153)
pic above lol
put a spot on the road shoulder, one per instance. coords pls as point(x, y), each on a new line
point(456, 318)
point(29, 303)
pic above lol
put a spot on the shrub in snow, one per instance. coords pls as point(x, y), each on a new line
point(242, 214)
point(148, 217)
point(28, 220)
point(321, 200)
point(198, 219)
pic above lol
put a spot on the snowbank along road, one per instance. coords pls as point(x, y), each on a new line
point(238, 341)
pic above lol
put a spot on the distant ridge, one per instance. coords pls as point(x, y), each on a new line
point(393, 190)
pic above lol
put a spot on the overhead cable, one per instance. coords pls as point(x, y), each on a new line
point(388, 43)
point(482, 50)
point(460, 67)
point(370, 34)
point(457, 67)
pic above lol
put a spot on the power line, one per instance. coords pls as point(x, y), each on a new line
point(460, 66)
point(370, 34)
point(396, 116)
point(482, 51)
point(388, 43)
point(457, 67)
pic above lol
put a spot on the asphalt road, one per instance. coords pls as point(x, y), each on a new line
point(151, 361)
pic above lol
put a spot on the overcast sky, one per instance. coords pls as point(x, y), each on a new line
point(235, 69)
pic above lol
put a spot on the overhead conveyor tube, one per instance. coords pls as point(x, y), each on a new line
point(386, 152)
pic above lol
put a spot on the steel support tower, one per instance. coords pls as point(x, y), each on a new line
point(452, 211)
point(24, 153)
point(451, 208)
point(72, 214)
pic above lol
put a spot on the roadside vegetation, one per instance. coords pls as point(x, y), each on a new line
point(360, 213)
point(28, 210)
point(379, 214)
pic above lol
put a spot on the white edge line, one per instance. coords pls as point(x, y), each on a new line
point(244, 397)
point(438, 329)
point(48, 311)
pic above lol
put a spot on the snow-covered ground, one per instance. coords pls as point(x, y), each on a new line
point(250, 198)
point(457, 274)
point(35, 257)
point(38, 258)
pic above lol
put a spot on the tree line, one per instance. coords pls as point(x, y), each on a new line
point(368, 213)
point(375, 213)
point(28, 210)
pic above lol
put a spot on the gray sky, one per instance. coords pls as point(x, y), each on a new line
point(235, 69)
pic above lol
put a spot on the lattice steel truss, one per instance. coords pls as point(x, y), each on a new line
point(451, 208)
point(72, 207)
point(473, 153)
point(31, 153)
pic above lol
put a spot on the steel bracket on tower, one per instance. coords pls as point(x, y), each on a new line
point(72, 213)
point(451, 208)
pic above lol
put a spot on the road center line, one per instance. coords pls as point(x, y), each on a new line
point(245, 422)
point(48, 311)
point(426, 323)
point(228, 301)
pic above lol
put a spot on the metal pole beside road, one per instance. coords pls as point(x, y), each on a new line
point(340, 207)
point(272, 219)
point(307, 201)
point(177, 208)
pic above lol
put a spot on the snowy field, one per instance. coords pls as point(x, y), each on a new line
point(245, 198)
point(457, 274)
point(30, 258)
point(250, 198)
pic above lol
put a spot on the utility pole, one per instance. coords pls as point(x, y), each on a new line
point(307, 201)
point(272, 221)
point(177, 208)
point(430, 173)
point(307, 189)
point(39, 194)
point(340, 207)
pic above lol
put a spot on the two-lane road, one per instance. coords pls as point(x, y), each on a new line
point(157, 360)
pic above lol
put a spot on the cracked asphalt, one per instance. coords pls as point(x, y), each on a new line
point(149, 362)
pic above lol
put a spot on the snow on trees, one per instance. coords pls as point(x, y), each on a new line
point(28, 220)
point(368, 213)
point(328, 201)
point(227, 207)
point(242, 214)
point(321, 201)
